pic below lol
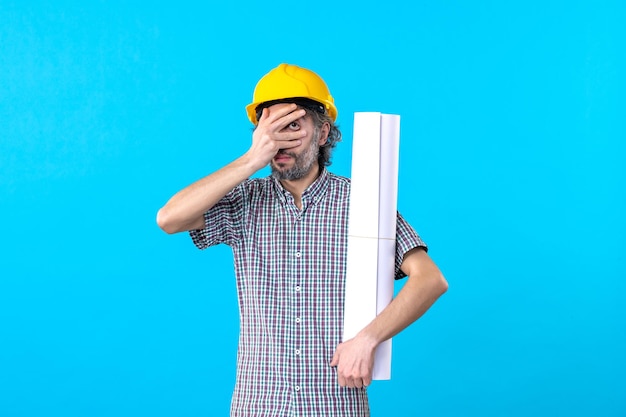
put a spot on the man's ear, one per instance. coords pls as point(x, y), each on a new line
point(324, 131)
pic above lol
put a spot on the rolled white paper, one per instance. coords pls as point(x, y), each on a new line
point(372, 227)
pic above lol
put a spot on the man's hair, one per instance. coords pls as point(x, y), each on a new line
point(334, 135)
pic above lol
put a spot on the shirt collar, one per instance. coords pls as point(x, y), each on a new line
point(312, 195)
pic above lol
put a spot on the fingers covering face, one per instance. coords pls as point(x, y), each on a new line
point(280, 115)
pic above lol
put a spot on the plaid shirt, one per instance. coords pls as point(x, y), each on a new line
point(290, 268)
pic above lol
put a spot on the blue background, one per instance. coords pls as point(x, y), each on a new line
point(513, 169)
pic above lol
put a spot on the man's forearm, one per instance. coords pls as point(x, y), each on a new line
point(185, 210)
point(424, 286)
point(354, 358)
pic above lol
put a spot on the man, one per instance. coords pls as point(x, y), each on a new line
point(288, 233)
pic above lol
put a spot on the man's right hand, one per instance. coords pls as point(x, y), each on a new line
point(272, 133)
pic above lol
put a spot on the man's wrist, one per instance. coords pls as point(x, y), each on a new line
point(368, 338)
point(249, 164)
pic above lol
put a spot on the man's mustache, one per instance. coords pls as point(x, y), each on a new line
point(284, 152)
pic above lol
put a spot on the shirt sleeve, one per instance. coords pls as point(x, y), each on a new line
point(222, 222)
point(406, 239)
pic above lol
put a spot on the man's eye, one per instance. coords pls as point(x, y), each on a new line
point(294, 126)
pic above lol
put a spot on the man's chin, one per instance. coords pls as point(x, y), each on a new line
point(278, 166)
point(287, 174)
point(278, 169)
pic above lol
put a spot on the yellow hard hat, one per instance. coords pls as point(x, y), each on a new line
point(287, 82)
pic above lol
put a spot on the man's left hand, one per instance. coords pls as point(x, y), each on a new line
point(354, 360)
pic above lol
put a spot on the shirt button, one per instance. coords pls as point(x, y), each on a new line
point(297, 288)
point(298, 254)
point(297, 351)
point(297, 387)
point(298, 320)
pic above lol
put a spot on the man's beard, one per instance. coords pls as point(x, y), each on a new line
point(303, 162)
